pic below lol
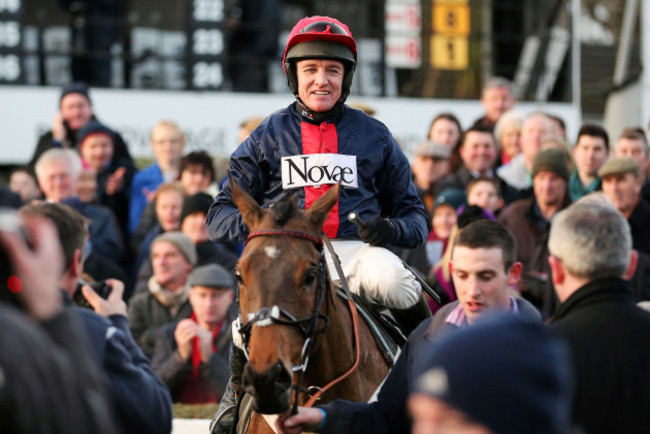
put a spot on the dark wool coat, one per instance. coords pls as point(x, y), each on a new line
point(609, 337)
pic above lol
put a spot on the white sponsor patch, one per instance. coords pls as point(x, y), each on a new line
point(314, 170)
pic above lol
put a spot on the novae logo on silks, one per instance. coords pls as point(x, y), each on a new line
point(313, 170)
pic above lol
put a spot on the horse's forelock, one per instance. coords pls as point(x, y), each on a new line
point(283, 211)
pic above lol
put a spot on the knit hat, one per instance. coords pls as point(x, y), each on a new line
point(429, 148)
point(552, 160)
point(91, 128)
point(617, 166)
point(78, 87)
point(199, 202)
point(182, 242)
point(211, 275)
point(508, 374)
point(453, 197)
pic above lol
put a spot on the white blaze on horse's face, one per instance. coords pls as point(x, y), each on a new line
point(272, 252)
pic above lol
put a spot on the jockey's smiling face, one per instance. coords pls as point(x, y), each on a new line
point(320, 83)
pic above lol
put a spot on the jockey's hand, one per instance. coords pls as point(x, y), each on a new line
point(377, 231)
point(307, 419)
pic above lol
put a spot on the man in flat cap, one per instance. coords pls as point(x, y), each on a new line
point(622, 182)
point(430, 165)
point(191, 356)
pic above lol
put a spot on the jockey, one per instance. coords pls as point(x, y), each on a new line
point(314, 143)
point(318, 141)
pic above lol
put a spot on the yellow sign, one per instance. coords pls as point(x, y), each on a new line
point(452, 2)
point(449, 52)
point(451, 19)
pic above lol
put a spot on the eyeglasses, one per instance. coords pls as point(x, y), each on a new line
point(324, 27)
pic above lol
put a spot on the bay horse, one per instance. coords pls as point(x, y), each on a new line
point(297, 333)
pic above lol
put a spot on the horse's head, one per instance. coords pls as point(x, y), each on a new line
point(282, 285)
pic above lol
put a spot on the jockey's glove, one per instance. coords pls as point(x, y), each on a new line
point(377, 231)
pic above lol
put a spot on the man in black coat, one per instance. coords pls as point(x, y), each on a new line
point(609, 336)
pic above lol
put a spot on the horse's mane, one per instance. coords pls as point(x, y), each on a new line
point(284, 210)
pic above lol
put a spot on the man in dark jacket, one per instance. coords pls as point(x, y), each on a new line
point(530, 219)
point(140, 400)
point(483, 270)
point(96, 144)
point(166, 300)
point(75, 111)
point(609, 336)
point(47, 384)
point(191, 356)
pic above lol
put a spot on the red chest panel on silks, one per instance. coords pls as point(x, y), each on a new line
point(321, 139)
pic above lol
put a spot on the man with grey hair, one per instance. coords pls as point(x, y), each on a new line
point(609, 336)
point(497, 98)
point(57, 171)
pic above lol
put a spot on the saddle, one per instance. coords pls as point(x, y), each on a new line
point(388, 337)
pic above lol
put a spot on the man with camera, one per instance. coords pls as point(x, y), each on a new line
point(140, 400)
point(46, 384)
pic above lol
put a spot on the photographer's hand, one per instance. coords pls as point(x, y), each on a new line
point(113, 305)
point(38, 268)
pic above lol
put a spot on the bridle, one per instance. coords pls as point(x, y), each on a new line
point(308, 327)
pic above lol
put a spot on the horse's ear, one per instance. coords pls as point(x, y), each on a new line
point(317, 213)
point(251, 212)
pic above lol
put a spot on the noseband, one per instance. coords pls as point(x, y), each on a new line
point(308, 326)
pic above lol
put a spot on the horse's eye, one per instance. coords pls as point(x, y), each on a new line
point(310, 277)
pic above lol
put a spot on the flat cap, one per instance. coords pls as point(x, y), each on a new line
point(616, 166)
point(211, 275)
point(429, 148)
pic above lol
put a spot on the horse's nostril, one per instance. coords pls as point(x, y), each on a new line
point(282, 376)
point(276, 377)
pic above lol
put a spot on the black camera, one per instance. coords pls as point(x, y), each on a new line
point(102, 288)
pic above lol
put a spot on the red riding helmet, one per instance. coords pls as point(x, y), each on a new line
point(320, 37)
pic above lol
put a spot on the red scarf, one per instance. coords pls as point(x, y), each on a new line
point(197, 390)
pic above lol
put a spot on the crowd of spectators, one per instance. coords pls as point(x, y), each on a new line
point(162, 330)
